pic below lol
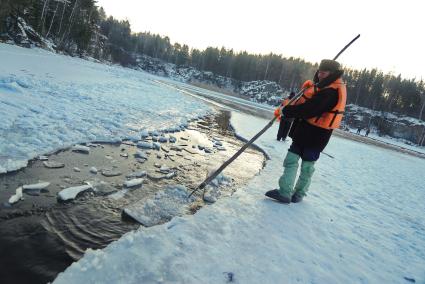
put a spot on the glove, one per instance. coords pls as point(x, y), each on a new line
point(278, 112)
point(307, 84)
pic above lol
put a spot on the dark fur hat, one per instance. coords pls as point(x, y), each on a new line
point(329, 65)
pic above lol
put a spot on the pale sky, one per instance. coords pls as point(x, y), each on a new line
point(392, 32)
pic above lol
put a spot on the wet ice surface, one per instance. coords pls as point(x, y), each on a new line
point(149, 183)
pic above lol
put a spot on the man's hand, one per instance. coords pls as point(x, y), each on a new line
point(278, 112)
point(307, 84)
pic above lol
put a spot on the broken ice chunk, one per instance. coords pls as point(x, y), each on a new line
point(111, 173)
point(170, 175)
point(208, 197)
point(144, 134)
point(176, 148)
point(133, 182)
point(17, 196)
point(81, 149)
point(162, 207)
point(138, 174)
point(144, 145)
point(53, 164)
point(163, 139)
point(71, 192)
point(164, 168)
point(141, 155)
point(36, 186)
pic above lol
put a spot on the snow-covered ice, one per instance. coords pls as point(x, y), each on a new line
point(50, 101)
point(395, 141)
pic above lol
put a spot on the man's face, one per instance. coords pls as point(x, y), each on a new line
point(322, 74)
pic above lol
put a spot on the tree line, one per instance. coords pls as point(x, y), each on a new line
point(80, 27)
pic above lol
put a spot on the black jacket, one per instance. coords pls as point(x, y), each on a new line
point(303, 133)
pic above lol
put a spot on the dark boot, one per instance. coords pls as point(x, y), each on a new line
point(297, 198)
point(276, 195)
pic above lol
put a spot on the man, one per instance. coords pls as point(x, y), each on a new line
point(359, 129)
point(316, 114)
point(285, 123)
point(367, 132)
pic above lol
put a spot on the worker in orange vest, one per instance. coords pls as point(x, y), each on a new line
point(317, 113)
point(285, 123)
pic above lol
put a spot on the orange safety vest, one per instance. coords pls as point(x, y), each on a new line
point(331, 119)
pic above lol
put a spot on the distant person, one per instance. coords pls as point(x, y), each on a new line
point(285, 123)
point(367, 132)
point(359, 129)
point(317, 113)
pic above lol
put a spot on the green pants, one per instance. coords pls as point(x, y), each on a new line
point(287, 180)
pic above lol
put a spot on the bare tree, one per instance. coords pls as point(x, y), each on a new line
point(70, 22)
point(53, 18)
point(422, 96)
point(65, 2)
point(267, 67)
point(43, 12)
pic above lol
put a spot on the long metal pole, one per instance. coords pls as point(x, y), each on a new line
point(247, 144)
point(345, 47)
